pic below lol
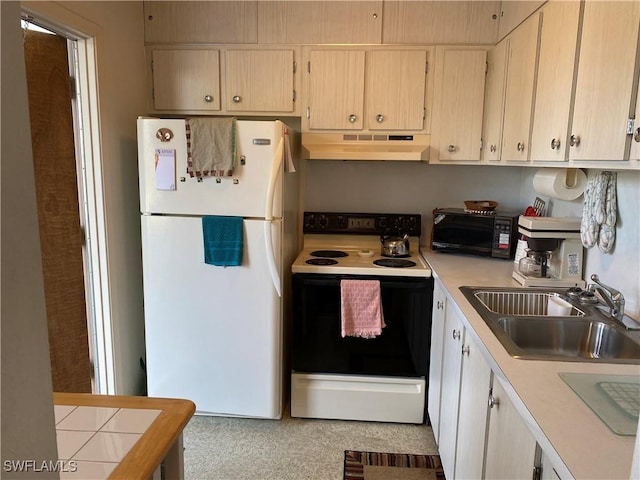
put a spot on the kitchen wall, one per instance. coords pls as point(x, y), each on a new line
point(419, 188)
point(27, 409)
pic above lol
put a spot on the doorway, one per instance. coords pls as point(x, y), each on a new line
point(65, 199)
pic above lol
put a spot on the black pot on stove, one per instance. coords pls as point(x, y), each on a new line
point(395, 246)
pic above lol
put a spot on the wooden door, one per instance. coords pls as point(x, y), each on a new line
point(259, 80)
point(511, 447)
point(521, 70)
point(186, 80)
point(558, 40)
point(459, 93)
point(58, 210)
point(450, 389)
point(472, 422)
point(336, 89)
point(605, 80)
point(395, 89)
point(634, 154)
point(494, 101)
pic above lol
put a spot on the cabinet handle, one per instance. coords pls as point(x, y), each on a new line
point(456, 334)
point(237, 99)
point(493, 401)
point(636, 137)
point(555, 144)
point(493, 148)
point(208, 98)
point(379, 118)
point(520, 147)
point(352, 118)
point(451, 148)
point(465, 349)
point(439, 305)
point(574, 140)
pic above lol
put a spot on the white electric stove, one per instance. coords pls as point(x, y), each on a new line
point(376, 379)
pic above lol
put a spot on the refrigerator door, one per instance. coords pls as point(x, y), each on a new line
point(255, 190)
point(213, 334)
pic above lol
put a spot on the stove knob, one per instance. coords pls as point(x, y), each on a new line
point(382, 222)
point(340, 221)
point(322, 221)
point(309, 221)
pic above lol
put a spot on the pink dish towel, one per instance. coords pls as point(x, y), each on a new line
point(361, 308)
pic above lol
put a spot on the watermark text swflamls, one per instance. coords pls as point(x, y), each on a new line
point(40, 466)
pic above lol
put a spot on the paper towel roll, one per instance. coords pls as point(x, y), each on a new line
point(561, 183)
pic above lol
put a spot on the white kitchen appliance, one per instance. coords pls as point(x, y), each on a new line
point(554, 255)
point(376, 379)
point(215, 334)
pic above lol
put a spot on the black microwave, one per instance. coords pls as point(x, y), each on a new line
point(486, 234)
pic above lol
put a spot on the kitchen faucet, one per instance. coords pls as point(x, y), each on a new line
point(609, 295)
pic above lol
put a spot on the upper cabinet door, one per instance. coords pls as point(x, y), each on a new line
point(605, 80)
point(556, 63)
point(421, 22)
point(319, 22)
point(395, 89)
point(259, 80)
point(459, 101)
point(494, 101)
point(336, 89)
point(514, 12)
point(200, 22)
point(186, 80)
point(635, 137)
point(521, 68)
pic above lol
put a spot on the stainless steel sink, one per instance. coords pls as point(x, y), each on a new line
point(518, 318)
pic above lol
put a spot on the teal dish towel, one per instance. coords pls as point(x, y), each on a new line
point(223, 241)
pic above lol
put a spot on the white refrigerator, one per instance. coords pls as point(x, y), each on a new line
point(216, 335)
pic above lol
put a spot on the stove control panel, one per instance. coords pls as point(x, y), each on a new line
point(362, 223)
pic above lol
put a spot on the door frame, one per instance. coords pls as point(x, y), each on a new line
point(85, 35)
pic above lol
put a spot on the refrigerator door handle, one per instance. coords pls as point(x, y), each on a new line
point(271, 258)
point(275, 170)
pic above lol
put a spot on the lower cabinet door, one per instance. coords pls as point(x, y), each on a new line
point(511, 447)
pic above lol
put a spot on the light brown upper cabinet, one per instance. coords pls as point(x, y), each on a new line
point(521, 68)
point(459, 85)
point(259, 80)
point(319, 22)
point(186, 80)
point(634, 155)
point(556, 63)
point(605, 81)
point(494, 102)
point(440, 22)
point(514, 12)
point(365, 90)
point(231, 22)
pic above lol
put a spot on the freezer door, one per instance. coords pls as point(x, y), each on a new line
point(255, 190)
point(213, 334)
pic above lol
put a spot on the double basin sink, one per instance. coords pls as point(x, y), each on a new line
point(528, 328)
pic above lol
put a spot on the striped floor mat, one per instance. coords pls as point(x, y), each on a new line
point(391, 466)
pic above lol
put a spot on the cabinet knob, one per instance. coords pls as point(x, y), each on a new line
point(439, 305)
point(353, 118)
point(636, 136)
point(451, 148)
point(465, 350)
point(379, 118)
point(520, 147)
point(493, 401)
point(237, 99)
point(493, 148)
point(555, 144)
point(574, 140)
point(456, 334)
point(208, 98)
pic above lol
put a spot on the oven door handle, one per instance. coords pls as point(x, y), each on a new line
point(271, 258)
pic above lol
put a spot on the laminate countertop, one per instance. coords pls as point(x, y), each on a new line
point(576, 441)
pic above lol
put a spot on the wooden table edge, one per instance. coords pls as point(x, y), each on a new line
point(154, 444)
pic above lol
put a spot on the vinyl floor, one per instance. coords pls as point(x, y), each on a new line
point(221, 448)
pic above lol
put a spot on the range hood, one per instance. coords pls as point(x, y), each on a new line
point(358, 146)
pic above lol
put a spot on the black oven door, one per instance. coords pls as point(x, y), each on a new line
point(401, 350)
